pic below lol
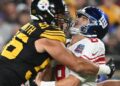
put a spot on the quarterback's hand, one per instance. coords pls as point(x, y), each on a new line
point(111, 64)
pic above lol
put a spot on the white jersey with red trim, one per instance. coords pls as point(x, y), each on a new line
point(92, 49)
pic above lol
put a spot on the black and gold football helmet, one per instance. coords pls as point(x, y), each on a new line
point(49, 11)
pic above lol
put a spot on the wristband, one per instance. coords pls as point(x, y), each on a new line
point(43, 83)
point(104, 69)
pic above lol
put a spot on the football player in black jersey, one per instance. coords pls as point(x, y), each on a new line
point(31, 49)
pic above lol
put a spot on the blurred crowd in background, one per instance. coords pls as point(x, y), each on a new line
point(15, 13)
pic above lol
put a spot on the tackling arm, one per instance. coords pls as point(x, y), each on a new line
point(58, 52)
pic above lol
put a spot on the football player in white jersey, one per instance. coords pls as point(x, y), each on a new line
point(86, 42)
point(90, 26)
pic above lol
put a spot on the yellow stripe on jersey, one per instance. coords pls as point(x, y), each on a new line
point(43, 65)
point(54, 31)
point(54, 35)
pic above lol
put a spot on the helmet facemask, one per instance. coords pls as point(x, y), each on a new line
point(83, 29)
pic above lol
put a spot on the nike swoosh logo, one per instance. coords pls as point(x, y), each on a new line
point(94, 53)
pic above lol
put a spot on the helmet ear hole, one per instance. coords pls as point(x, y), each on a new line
point(83, 29)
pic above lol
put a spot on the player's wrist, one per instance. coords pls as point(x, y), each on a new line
point(77, 76)
point(43, 83)
point(104, 69)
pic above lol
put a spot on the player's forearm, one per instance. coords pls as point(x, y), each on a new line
point(90, 68)
point(86, 67)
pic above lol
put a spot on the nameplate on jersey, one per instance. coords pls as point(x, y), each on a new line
point(28, 28)
point(79, 48)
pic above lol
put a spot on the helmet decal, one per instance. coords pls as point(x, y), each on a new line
point(103, 22)
point(43, 5)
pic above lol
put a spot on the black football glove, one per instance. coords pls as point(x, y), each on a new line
point(111, 64)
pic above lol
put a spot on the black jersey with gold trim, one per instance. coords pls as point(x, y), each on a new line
point(20, 54)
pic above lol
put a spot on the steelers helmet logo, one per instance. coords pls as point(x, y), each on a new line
point(43, 5)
